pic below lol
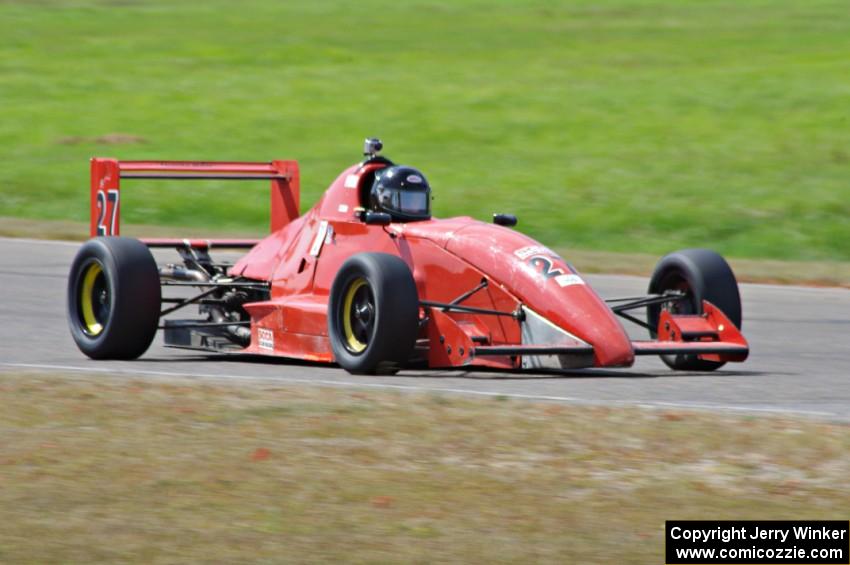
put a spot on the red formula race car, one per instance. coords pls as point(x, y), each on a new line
point(369, 280)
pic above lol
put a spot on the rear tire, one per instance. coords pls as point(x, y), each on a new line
point(373, 314)
point(114, 298)
point(703, 275)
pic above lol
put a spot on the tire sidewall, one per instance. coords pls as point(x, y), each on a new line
point(133, 282)
point(396, 313)
point(708, 277)
point(671, 268)
point(91, 252)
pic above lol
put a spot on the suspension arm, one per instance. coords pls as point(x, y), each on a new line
point(449, 307)
point(183, 324)
point(640, 301)
point(188, 301)
point(254, 285)
point(467, 294)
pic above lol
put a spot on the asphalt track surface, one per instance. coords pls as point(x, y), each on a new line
point(799, 362)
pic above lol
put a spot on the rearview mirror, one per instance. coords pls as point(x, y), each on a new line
point(373, 218)
point(508, 220)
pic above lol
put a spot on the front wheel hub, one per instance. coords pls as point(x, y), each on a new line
point(358, 319)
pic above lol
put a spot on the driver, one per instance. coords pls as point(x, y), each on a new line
point(402, 192)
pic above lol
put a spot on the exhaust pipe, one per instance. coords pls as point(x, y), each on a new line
point(182, 274)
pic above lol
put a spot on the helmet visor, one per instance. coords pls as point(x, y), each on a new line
point(413, 203)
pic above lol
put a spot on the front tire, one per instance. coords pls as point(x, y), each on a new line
point(701, 274)
point(114, 298)
point(373, 314)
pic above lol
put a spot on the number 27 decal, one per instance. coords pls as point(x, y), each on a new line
point(549, 271)
point(107, 215)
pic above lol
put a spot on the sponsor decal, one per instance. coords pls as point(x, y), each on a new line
point(351, 181)
point(526, 252)
point(265, 338)
point(414, 179)
point(568, 280)
point(343, 208)
point(316, 248)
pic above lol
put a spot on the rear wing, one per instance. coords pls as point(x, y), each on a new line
point(106, 176)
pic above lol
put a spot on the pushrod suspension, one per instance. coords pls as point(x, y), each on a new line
point(448, 307)
point(640, 301)
point(467, 294)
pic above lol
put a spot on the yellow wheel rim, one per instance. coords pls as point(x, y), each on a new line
point(354, 344)
point(90, 323)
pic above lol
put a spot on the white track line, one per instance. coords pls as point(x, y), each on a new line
point(411, 388)
point(59, 242)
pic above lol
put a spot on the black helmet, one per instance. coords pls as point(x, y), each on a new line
point(402, 192)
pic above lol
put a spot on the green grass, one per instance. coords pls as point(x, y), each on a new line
point(617, 125)
point(116, 470)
